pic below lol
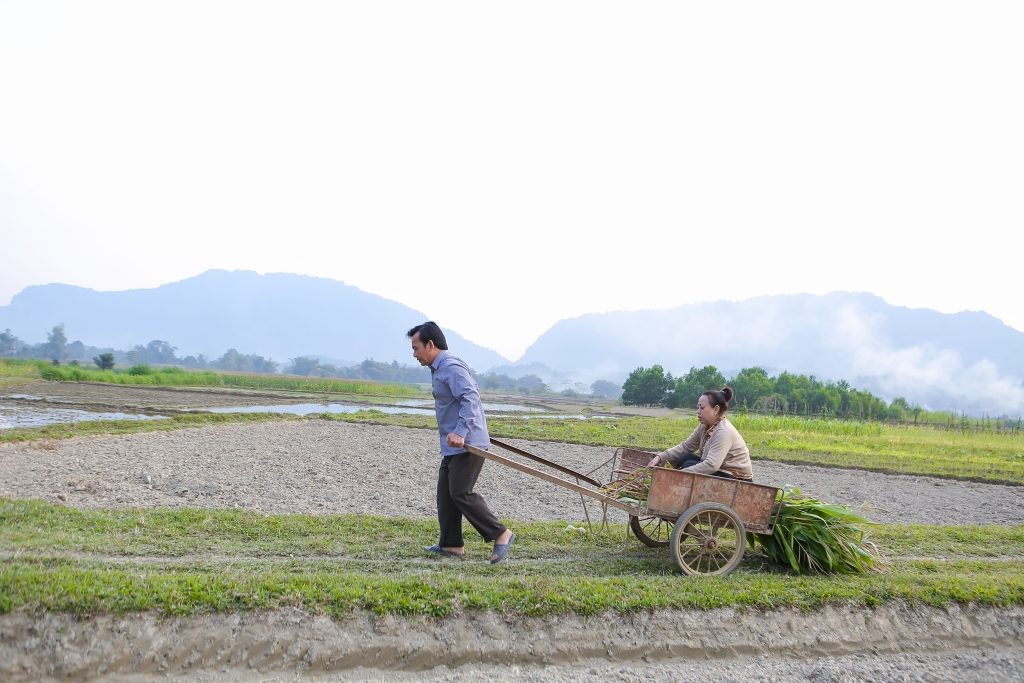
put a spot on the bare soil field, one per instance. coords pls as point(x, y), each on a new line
point(889, 643)
point(318, 467)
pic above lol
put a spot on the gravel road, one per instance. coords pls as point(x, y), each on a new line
point(330, 467)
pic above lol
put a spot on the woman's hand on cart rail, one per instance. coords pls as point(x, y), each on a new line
point(455, 441)
point(655, 461)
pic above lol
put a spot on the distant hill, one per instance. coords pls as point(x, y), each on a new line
point(967, 360)
point(277, 314)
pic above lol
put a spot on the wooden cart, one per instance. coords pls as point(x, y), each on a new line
point(702, 520)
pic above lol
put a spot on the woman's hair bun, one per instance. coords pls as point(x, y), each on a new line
point(728, 394)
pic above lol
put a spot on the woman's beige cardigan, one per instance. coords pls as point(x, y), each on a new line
point(724, 450)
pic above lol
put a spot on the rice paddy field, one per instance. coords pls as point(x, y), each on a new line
point(991, 456)
point(185, 561)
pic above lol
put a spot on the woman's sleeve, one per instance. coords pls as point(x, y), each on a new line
point(689, 446)
point(714, 453)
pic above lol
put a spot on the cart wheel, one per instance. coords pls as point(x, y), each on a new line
point(653, 532)
point(708, 539)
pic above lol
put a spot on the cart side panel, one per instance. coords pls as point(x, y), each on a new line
point(708, 489)
point(754, 503)
point(670, 492)
point(675, 491)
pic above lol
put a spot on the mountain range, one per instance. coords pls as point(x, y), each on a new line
point(969, 360)
point(278, 314)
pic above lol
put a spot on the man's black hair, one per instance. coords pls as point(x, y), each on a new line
point(429, 332)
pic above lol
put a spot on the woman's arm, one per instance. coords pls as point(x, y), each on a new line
point(672, 455)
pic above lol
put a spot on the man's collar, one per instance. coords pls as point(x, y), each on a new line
point(437, 360)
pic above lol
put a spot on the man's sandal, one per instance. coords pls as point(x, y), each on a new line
point(501, 549)
point(436, 549)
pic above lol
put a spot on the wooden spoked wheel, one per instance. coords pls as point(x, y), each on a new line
point(653, 532)
point(708, 539)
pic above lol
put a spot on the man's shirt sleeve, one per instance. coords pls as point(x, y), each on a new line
point(465, 391)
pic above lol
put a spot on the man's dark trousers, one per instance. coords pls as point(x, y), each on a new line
point(456, 499)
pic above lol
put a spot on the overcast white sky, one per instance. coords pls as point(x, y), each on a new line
point(502, 166)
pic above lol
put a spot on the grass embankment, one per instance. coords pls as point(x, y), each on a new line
point(18, 371)
point(190, 560)
point(13, 371)
point(180, 421)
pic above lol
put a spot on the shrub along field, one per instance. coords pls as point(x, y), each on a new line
point(144, 375)
point(190, 560)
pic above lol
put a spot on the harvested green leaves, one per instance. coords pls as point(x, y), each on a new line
point(818, 538)
point(632, 489)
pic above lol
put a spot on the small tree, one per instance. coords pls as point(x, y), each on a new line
point(8, 343)
point(689, 387)
point(56, 343)
point(303, 365)
point(105, 361)
point(602, 388)
point(646, 387)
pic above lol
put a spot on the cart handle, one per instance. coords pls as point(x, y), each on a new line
point(552, 465)
point(583, 490)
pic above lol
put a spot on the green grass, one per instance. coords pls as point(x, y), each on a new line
point(188, 560)
point(12, 370)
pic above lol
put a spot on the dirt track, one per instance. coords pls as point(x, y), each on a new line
point(323, 467)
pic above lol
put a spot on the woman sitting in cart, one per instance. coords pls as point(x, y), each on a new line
point(723, 453)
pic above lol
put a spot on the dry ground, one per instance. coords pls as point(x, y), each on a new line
point(318, 467)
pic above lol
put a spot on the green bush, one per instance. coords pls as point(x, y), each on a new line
point(140, 369)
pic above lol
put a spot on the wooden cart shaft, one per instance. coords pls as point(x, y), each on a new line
point(572, 486)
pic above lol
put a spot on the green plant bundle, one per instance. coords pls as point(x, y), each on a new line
point(632, 489)
point(815, 537)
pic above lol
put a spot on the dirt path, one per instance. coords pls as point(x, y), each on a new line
point(889, 643)
point(331, 467)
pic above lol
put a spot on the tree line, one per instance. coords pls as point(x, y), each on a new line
point(57, 349)
point(368, 369)
point(756, 390)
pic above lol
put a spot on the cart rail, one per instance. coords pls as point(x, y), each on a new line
point(544, 461)
point(582, 490)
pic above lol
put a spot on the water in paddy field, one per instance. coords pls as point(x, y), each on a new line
point(20, 415)
point(311, 408)
point(408, 407)
point(488, 407)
